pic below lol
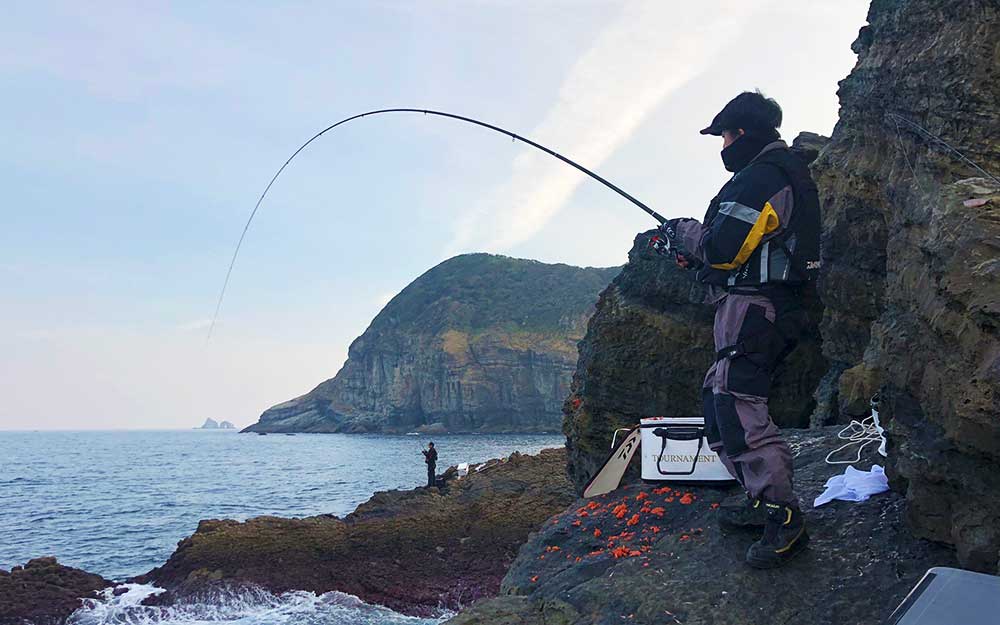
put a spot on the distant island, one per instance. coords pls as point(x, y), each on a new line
point(212, 424)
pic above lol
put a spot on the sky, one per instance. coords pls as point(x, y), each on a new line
point(137, 137)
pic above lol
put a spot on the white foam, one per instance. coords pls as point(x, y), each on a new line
point(243, 607)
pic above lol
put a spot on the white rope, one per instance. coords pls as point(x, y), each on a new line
point(860, 433)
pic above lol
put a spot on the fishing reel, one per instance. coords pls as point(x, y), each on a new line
point(661, 245)
point(665, 243)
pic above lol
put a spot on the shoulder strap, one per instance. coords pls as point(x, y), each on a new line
point(795, 262)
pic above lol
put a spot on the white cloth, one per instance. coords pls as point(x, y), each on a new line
point(854, 485)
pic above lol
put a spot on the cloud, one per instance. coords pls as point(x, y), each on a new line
point(634, 64)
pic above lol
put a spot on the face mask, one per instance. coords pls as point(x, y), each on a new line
point(740, 152)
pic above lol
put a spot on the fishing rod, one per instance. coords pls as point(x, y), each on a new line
point(514, 137)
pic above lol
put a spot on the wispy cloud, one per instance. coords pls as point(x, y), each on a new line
point(632, 67)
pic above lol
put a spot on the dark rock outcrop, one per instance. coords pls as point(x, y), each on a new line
point(911, 273)
point(665, 560)
point(646, 352)
point(478, 343)
point(414, 551)
point(44, 592)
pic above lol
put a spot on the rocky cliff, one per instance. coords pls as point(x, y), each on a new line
point(478, 343)
point(909, 289)
point(646, 352)
point(912, 279)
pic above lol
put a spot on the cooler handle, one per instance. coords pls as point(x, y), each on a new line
point(679, 433)
point(614, 438)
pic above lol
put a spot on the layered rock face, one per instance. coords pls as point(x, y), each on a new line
point(415, 551)
point(478, 343)
point(646, 352)
point(910, 251)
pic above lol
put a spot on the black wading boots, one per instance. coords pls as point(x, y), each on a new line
point(784, 536)
point(749, 514)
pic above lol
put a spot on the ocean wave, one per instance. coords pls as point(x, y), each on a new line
point(242, 607)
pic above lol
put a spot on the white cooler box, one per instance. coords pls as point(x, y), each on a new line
point(674, 449)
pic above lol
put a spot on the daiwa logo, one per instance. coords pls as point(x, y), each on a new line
point(627, 448)
point(814, 264)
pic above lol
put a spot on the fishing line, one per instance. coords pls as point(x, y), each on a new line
point(906, 157)
point(513, 136)
point(918, 180)
point(930, 135)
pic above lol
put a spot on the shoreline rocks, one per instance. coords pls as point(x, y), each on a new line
point(415, 551)
point(44, 592)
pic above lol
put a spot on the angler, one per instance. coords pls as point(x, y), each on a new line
point(756, 248)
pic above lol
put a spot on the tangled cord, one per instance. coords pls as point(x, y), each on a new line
point(861, 434)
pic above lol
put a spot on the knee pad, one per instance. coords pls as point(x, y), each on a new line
point(711, 421)
point(734, 437)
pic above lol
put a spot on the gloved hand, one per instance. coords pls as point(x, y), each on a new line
point(669, 230)
point(671, 245)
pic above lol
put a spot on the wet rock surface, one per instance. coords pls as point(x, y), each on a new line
point(44, 592)
point(414, 551)
point(910, 246)
point(479, 343)
point(654, 554)
point(646, 352)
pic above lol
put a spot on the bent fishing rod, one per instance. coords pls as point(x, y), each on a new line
point(513, 136)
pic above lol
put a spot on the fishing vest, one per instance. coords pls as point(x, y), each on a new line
point(791, 255)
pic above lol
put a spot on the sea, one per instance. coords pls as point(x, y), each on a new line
point(117, 502)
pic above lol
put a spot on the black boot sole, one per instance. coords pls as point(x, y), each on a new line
point(780, 559)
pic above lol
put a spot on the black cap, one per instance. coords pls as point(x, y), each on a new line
point(751, 111)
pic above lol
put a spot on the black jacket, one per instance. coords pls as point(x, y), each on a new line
point(762, 227)
point(430, 456)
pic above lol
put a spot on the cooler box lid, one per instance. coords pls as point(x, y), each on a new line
point(946, 596)
point(650, 422)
